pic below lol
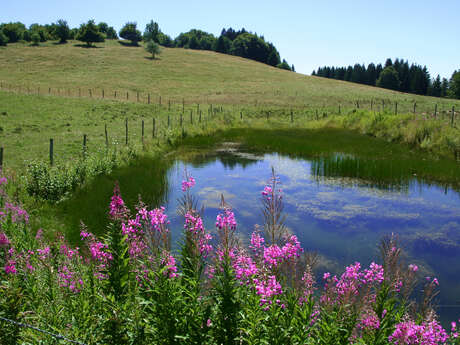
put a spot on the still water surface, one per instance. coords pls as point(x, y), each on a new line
point(343, 218)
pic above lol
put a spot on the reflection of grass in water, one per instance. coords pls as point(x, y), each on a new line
point(146, 178)
point(382, 164)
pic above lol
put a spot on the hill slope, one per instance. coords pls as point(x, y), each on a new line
point(196, 76)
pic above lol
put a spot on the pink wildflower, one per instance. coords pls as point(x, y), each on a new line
point(118, 210)
point(188, 183)
point(4, 241)
point(413, 268)
point(226, 219)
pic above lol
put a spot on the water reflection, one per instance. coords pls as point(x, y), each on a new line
point(340, 206)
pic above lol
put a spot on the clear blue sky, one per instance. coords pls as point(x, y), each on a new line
point(307, 33)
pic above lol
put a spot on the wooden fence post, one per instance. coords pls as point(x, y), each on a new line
point(340, 111)
point(372, 103)
point(169, 105)
point(126, 131)
point(396, 108)
point(49, 91)
point(115, 94)
point(148, 101)
point(90, 93)
point(169, 121)
point(357, 104)
point(191, 116)
point(181, 120)
point(241, 115)
point(452, 118)
point(103, 93)
point(1, 159)
point(84, 145)
point(199, 120)
point(138, 96)
point(153, 128)
point(142, 132)
point(159, 102)
point(435, 109)
point(79, 92)
point(127, 95)
point(183, 105)
point(106, 136)
point(292, 117)
point(415, 105)
point(51, 151)
point(383, 105)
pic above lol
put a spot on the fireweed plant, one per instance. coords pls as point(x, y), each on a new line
point(129, 288)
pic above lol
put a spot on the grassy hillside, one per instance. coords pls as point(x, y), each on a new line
point(27, 122)
point(177, 74)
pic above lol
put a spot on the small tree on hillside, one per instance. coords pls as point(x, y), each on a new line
point(89, 33)
point(35, 38)
point(62, 31)
point(153, 48)
point(130, 32)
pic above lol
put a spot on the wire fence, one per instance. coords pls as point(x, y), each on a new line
point(408, 104)
point(54, 335)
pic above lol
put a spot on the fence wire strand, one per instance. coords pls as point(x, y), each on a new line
point(57, 336)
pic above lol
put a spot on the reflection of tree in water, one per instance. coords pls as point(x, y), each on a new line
point(385, 174)
point(229, 159)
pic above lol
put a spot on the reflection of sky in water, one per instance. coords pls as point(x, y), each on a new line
point(341, 218)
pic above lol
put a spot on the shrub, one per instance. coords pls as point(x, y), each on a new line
point(3, 39)
point(35, 38)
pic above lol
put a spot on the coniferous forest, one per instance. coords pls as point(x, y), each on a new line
point(397, 75)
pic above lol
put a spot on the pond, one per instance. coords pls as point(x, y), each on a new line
point(340, 200)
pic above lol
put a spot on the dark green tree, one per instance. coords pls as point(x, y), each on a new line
point(89, 33)
point(73, 33)
point(454, 85)
point(348, 73)
point(388, 79)
point(3, 39)
point(388, 63)
point(14, 31)
point(35, 38)
point(45, 32)
point(62, 30)
point(107, 30)
point(435, 89)
point(165, 40)
point(111, 33)
point(284, 65)
point(444, 87)
point(223, 45)
point(151, 32)
point(129, 32)
point(371, 74)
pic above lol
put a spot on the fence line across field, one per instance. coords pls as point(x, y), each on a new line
point(372, 104)
point(306, 113)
